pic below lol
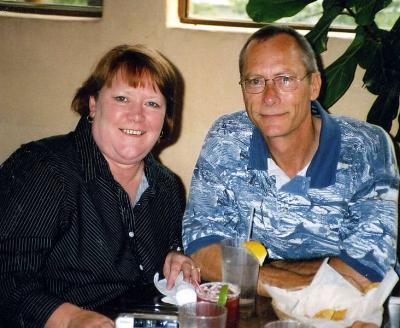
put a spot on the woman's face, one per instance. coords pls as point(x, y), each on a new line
point(127, 121)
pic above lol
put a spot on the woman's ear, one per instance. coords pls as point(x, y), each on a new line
point(315, 85)
point(92, 106)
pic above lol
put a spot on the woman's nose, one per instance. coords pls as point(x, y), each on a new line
point(136, 113)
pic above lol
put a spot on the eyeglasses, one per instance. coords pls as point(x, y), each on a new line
point(285, 83)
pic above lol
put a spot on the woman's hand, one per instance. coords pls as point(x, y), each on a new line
point(176, 262)
point(70, 316)
point(90, 319)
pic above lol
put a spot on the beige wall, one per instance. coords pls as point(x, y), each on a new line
point(43, 61)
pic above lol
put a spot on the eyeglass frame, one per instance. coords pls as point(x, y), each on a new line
point(242, 82)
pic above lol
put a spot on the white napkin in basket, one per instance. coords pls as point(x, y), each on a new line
point(329, 290)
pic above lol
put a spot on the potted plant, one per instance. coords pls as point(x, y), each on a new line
point(374, 49)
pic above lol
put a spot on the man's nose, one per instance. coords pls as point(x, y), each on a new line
point(270, 92)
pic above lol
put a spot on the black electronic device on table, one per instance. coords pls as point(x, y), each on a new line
point(145, 320)
point(141, 307)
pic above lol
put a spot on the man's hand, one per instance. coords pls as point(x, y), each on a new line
point(209, 259)
point(351, 275)
point(360, 324)
point(70, 316)
point(176, 262)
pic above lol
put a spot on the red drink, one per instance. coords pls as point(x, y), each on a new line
point(209, 292)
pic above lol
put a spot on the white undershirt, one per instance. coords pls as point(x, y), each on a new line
point(280, 176)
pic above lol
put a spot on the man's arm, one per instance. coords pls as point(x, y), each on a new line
point(277, 273)
point(209, 260)
point(282, 274)
point(298, 274)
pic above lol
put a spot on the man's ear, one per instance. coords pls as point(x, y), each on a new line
point(315, 85)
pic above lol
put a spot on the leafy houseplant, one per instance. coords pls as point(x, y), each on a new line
point(374, 49)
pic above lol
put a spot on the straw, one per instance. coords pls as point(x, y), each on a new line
point(250, 226)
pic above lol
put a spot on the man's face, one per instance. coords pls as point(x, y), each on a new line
point(279, 114)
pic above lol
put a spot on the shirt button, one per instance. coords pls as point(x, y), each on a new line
point(131, 234)
point(141, 267)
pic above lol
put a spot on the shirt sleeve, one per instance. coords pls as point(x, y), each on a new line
point(369, 240)
point(30, 198)
point(211, 213)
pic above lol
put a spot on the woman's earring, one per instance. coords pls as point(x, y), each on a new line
point(90, 119)
point(161, 136)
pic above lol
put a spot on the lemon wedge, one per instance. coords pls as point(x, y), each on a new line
point(257, 249)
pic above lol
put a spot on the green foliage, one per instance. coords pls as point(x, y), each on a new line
point(271, 10)
point(374, 49)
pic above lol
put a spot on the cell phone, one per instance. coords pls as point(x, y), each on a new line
point(154, 320)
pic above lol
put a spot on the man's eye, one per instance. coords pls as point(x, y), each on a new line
point(255, 82)
point(286, 80)
point(121, 99)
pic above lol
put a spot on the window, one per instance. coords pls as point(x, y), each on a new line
point(82, 8)
point(233, 13)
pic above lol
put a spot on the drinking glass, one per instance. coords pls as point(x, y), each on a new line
point(239, 267)
point(209, 292)
point(286, 324)
point(202, 315)
point(394, 312)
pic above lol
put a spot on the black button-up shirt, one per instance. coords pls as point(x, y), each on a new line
point(68, 231)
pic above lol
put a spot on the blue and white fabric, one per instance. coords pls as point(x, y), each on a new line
point(345, 205)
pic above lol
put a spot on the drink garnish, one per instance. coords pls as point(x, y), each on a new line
point(223, 295)
point(257, 249)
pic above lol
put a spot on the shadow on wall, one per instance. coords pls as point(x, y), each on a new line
point(177, 120)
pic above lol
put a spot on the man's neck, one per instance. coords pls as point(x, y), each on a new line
point(293, 152)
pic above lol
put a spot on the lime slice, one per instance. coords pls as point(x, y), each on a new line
point(223, 295)
point(257, 249)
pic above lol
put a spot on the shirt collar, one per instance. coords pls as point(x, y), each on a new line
point(92, 160)
point(322, 169)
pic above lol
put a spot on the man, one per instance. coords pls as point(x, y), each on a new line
point(321, 186)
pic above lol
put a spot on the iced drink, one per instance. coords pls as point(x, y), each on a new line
point(209, 292)
point(241, 268)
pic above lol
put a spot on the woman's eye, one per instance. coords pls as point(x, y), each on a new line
point(153, 104)
point(121, 99)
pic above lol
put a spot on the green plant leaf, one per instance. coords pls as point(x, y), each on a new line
point(366, 55)
point(318, 36)
point(384, 69)
point(385, 108)
point(340, 74)
point(374, 78)
point(269, 11)
point(366, 11)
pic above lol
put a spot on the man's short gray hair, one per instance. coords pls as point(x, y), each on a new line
point(269, 31)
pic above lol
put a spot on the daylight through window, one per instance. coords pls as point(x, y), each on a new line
point(233, 13)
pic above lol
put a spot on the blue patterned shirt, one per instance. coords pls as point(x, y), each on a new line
point(345, 205)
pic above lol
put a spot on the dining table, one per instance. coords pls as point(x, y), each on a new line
point(148, 300)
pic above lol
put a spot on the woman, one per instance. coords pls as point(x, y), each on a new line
point(87, 216)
